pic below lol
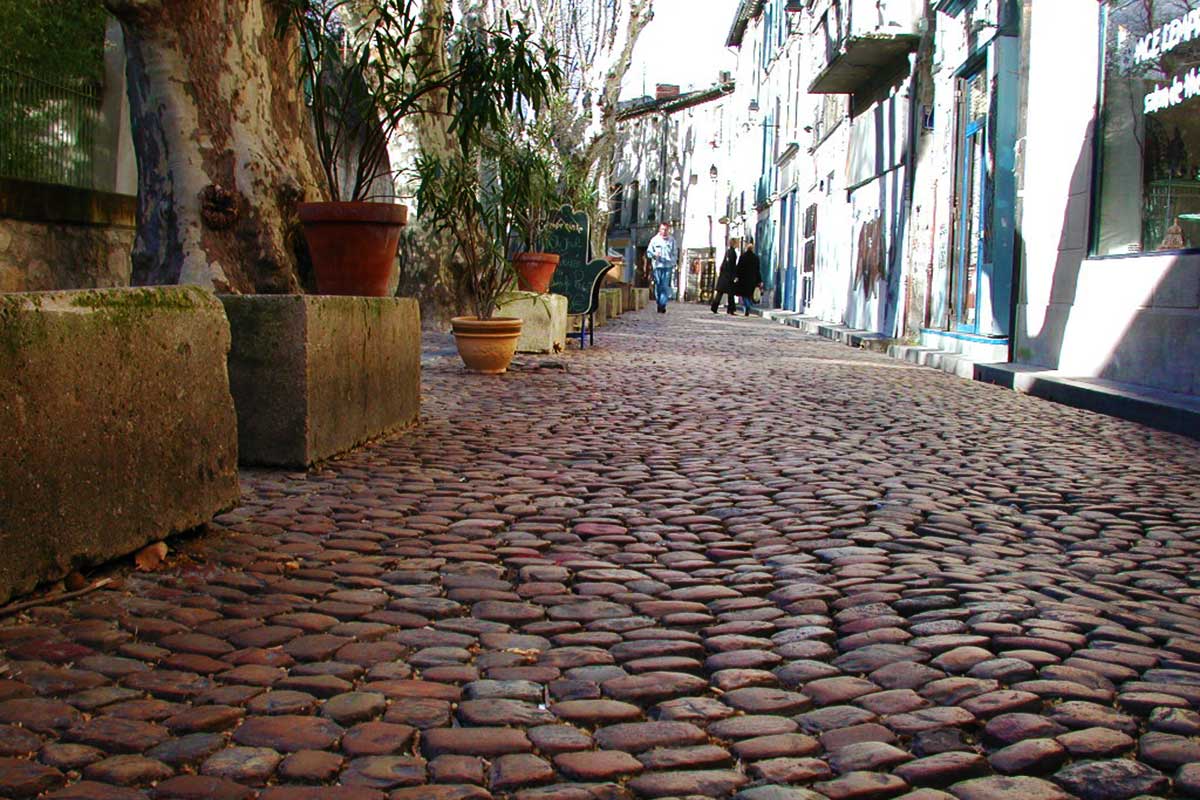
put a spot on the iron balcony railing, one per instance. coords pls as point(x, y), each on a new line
point(47, 128)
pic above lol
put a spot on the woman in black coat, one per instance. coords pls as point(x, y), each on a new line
point(748, 277)
point(725, 279)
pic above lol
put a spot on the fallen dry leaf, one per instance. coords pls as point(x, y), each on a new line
point(150, 556)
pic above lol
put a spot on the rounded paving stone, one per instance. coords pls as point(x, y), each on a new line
point(634, 737)
point(597, 765)
point(518, 770)
point(703, 783)
point(999, 787)
point(310, 766)
point(21, 778)
point(93, 790)
point(384, 772)
point(245, 765)
point(1119, 779)
point(288, 733)
point(128, 770)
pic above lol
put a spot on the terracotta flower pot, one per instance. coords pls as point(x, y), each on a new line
point(535, 270)
point(486, 345)
point(353, 245)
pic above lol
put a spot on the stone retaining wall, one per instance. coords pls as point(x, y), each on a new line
point(57, 237)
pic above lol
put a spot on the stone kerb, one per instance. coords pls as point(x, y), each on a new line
point(544, 318)
point(313, 376)
point(116, 425)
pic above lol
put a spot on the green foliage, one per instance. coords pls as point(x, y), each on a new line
point(57, 39)
point(460, 196)
point(529, 187)
point(365, 74)
point(51, 69)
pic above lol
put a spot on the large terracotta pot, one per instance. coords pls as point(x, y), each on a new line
point(535, 270)
point(486, 345)
point(353, 245)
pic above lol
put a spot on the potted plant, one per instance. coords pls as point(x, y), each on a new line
point(530, 190)
point(364, 73)
point(460, 195)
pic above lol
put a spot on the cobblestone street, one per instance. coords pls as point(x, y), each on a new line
point(711, 557)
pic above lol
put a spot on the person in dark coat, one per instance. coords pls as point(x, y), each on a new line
point(725, 279)
point(748, 276)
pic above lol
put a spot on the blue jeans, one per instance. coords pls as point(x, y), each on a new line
point(662, 284)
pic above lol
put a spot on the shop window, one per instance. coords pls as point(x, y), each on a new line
point(1150, 139)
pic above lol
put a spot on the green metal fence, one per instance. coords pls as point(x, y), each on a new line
point(47, 128)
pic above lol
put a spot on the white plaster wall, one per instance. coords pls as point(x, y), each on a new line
point(1063, 67)
point(1134, 319)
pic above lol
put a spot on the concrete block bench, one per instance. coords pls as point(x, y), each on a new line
point(641, 298)
point(612, 300)
point(116, 425)
point(313, 376)
point(545, 321)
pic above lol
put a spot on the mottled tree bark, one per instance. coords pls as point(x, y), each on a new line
point(223, 144)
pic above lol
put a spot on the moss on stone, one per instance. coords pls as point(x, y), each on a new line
point(18, 327)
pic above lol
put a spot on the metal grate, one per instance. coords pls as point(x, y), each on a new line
point(47, 129)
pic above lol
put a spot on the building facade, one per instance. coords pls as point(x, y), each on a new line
point(670, 167)
point(1004, 180)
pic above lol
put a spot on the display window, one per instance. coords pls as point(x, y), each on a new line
point(1149, 146)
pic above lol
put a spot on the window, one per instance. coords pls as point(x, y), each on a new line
point(633, 203)
point(650, 201)
point(1149, 192)
point(617, 205)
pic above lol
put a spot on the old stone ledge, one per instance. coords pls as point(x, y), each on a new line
point(116, 425)
point(313, 376)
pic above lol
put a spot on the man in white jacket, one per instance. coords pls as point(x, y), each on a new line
point(662, 254)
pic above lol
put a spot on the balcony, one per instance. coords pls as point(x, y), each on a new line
point(855, 40)
point(762, 190)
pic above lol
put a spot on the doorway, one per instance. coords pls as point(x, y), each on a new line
point(974, 188)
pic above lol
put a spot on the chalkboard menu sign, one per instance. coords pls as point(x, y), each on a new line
point(575, 276)
point(567, 235)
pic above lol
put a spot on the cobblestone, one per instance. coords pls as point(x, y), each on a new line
point(710, 557)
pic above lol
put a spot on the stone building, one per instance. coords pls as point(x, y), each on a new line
point(1006, 182)
point(670, 167)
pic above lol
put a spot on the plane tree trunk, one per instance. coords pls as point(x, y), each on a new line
point(223, 144)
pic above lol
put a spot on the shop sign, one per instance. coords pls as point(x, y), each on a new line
point(1160, 41)
point(1167, 37)
point(1180, 89)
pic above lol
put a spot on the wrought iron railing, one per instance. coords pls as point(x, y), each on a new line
point(47, 128)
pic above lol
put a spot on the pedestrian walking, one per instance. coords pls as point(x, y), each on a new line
point(748, 277)
point(725, 280)
point(662, 255)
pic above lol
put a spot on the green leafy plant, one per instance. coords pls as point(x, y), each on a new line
point(529, 185)
point(364, 75)
point(481, 192)
point(460, 196)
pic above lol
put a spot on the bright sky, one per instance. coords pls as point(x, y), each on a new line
point(683, 44)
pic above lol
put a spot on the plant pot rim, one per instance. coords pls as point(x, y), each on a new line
point(353, 211)
point(537, 255)
point(473, 318)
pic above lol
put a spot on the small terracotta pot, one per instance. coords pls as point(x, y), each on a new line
point(486, 345)
point(353, 245)
point(535, 270)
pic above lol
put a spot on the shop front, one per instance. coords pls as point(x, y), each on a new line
point(1111, 216)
